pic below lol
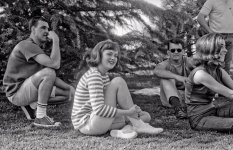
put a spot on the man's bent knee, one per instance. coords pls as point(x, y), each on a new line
point(46, 73)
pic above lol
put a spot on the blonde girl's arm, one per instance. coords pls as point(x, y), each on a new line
point(226, 79)
point(161, 72)
point(202, 77)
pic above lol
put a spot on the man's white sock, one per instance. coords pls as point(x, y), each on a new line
point(41, 110)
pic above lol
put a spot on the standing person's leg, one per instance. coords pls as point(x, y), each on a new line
point(228, 56)
point(170, 95)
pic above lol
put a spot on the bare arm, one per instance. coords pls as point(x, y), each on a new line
point(201, 77)
point(132, 111)
point(52, 61)
point(161, 72)
point(201, 20)
point(226, 79)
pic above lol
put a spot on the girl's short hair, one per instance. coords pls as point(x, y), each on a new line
point(208, 47)
point(95, 55)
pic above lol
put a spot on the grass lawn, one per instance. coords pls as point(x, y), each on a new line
point(17, 133)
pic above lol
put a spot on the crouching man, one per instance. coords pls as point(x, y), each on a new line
point(30, 76)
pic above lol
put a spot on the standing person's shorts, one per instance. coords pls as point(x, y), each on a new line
point(27, 94)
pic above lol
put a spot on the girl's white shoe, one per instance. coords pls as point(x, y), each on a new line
point(126, 132)
point(141, 127)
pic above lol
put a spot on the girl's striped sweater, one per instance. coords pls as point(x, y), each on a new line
point(89, 98)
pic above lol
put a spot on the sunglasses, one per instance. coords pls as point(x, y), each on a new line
point(175, 49)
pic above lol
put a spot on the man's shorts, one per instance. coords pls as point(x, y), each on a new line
point(27, 94)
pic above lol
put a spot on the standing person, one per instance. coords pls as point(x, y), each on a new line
point(101, 105)
point(173, 73)
point(207, 79)
point(30, 76)
point(220, 13)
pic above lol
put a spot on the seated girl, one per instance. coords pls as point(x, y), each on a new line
point(207, 80)
point(101, 105)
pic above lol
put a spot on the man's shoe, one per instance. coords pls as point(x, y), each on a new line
point(180, 113)
point(46, 122)
point(125, 133)
point(141, 127)
point(29, 112)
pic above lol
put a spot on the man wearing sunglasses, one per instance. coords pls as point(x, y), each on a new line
point(173, 73)
point(30, 80)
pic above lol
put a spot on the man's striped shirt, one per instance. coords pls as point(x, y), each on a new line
point(89, 98)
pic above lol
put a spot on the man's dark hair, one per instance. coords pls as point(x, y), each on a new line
point(34, 21)
point(174, 41)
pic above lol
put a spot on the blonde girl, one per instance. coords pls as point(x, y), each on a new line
point(206, 81)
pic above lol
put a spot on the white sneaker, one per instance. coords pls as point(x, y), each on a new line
point(46, 122)
point(141, 127)
point(126, 132)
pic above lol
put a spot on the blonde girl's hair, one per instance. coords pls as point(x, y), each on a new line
point(208, 47)
point(95, 55)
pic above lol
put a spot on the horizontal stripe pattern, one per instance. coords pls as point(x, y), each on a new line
point(89, 98)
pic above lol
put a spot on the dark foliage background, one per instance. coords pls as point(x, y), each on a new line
point(81, 24)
